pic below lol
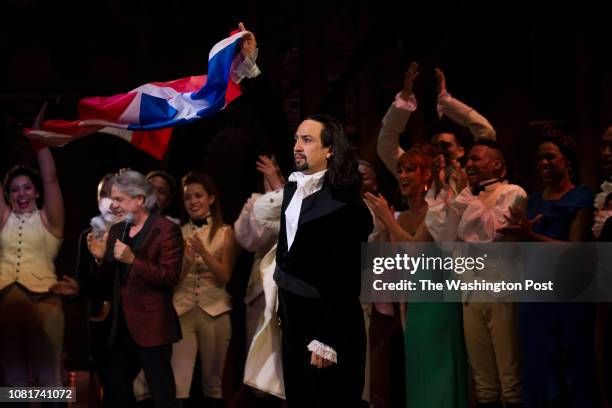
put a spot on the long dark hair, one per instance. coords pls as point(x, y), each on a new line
point(207, 182)
point(342, 168)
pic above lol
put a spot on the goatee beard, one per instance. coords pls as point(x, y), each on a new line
point(301, 167)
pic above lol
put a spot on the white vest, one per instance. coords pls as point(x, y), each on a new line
point(198, 286)
point(27, 251)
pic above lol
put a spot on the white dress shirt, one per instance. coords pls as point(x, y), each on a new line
point(307, 184)
point(469, 218)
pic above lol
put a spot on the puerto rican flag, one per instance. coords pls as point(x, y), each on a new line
point(145, 116)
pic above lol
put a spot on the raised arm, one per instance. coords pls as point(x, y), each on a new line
point(53, 209)
point(394, 122)
point(244, 64)
point(461, 113)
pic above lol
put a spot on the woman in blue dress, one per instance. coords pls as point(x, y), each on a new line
point(557, 338)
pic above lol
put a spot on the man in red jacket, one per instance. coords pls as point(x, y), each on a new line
point(143, 255)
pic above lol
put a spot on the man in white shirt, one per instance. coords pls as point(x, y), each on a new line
point(476, 214)
point(324, 220)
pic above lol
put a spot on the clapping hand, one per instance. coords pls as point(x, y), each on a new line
point(189, 253)
point(441, 85)
point(457, 174)
point(409, 76)
point(196, 245)
point(379, 206)
point(439, 172)
point(97, 247)
point(518, 224)
point(273, 179)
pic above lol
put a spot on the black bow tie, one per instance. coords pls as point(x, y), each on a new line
point(199, 223)
point(479, 189)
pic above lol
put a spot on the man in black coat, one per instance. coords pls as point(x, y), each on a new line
point(323, 223)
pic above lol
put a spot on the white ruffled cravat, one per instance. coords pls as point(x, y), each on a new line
point(601, 213)
point(307, 184)
point(600, 199)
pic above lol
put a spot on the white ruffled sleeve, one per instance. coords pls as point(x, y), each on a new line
point(248, 233)
point(393, 124)
point(323, 350)
point(442, 217)
point(466, 116)
point(480, 221)
point(267, 210)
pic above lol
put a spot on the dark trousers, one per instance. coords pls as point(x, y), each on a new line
point(98, 343)
point(125, 359)
point(339, 384)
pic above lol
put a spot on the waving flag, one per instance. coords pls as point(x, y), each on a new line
point(145, 116)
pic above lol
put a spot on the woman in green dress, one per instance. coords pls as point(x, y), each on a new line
point(436, 360)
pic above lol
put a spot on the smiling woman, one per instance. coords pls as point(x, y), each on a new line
point(200, 298)
point(31, 314)
point(558, 356)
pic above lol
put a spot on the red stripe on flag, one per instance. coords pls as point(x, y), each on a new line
point(70, 127)
point(154, 142)
point(105, 107)
point(232, 92)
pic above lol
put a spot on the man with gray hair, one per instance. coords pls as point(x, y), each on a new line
point(143, 255)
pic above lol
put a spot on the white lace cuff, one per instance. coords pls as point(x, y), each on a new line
point(409, 105)
point(323, 350)
point(244, 66)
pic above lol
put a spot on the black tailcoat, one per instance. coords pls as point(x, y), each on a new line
point(319, 282)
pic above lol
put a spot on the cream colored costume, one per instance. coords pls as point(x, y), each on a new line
point(257, 230)
point(490, 329)
point(31, 318)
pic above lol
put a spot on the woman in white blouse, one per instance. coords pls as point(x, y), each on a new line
point(200, 299)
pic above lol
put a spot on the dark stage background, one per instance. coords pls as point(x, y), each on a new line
point(519, 65)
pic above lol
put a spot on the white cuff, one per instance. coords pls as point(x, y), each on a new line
point(244, 66)
point(323, 350)
point(409, 105)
